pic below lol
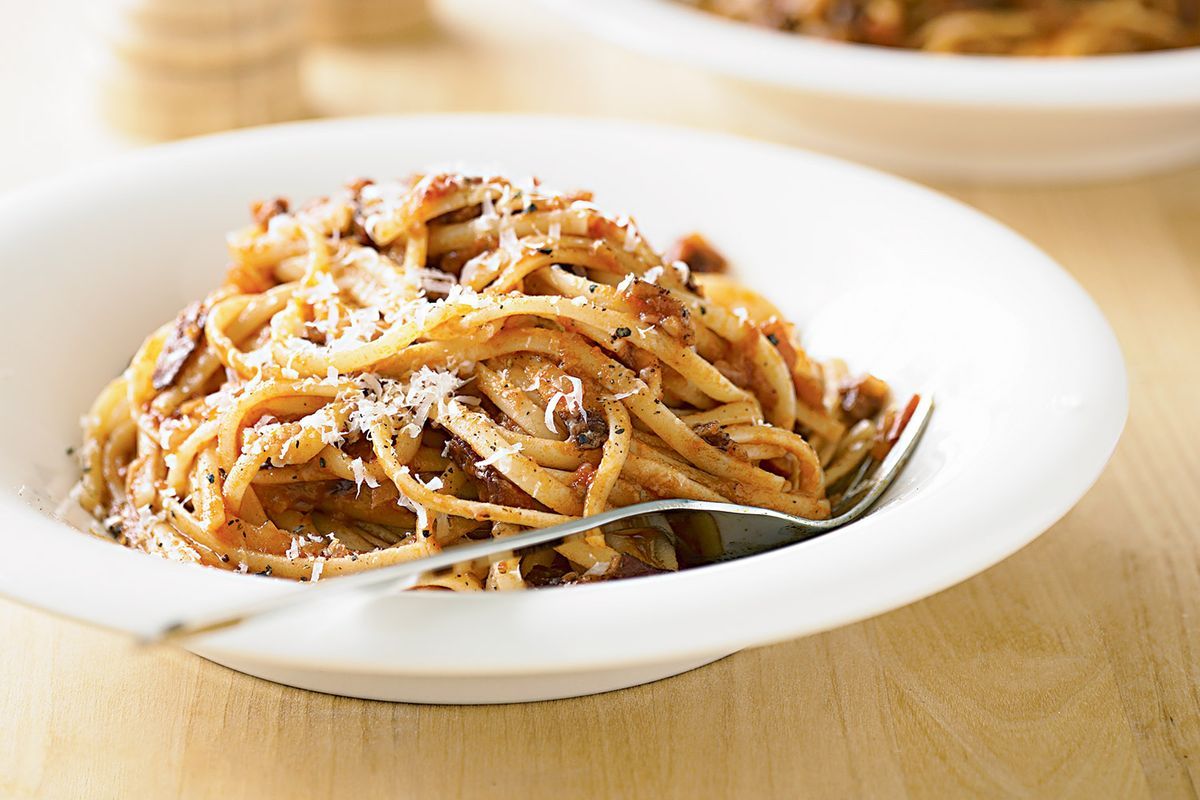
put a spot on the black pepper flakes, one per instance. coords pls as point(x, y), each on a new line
point(211, 478)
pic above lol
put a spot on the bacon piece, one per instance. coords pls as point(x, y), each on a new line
point(623, 565)
point(189, 326)
point(587, 432)
point(696, 251)
point(656, 306)
point(493, 486)
point(264, 210)
point(806, 379)
point(893, 425)
point(864, 397)
point(557, 573)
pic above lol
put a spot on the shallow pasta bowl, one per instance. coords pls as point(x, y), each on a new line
point(915, 287)
point(995, 118)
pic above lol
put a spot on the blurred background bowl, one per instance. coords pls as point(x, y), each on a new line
point(945, 117)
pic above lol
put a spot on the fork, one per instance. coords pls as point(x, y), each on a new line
point(740, 530)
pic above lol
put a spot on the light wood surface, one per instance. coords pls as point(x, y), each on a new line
point(1069, 670)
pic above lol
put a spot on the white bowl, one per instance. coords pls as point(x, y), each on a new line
point(993, 118)
point(933, 296)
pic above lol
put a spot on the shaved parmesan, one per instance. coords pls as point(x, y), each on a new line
point(509, 244)
point(361, 475)
point(549, 416)
point(501, 455)
point(404, 501)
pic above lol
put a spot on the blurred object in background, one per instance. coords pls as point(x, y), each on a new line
point(184, 67)
point(365, 20)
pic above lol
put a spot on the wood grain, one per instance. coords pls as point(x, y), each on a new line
point(1069, 670)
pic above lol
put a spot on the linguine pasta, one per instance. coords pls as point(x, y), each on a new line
point(397, 367)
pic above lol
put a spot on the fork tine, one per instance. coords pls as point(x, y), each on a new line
point(891, 465)
point(857, 483)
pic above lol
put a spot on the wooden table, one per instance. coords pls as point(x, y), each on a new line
point(1069, 670)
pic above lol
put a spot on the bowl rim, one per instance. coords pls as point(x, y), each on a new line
point(671, 30)
point(1089, 454)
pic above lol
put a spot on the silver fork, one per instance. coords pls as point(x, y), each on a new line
point(741, 531)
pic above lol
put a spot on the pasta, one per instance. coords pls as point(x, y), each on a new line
point(397, 367)
point(997, 27)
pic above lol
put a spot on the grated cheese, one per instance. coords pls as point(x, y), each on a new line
point(404, 501)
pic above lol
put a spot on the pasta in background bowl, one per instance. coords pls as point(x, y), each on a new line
point(934, 115)
point(936, 298)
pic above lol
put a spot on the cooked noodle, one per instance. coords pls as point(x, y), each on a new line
point(998, 27)
point(396, 367)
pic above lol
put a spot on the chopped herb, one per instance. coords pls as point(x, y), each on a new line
point(211, 478)
point(545, 250)
point(621, 333)
point(592, 288)
point(772, 338)
point(322, 462)
point(70, 451)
